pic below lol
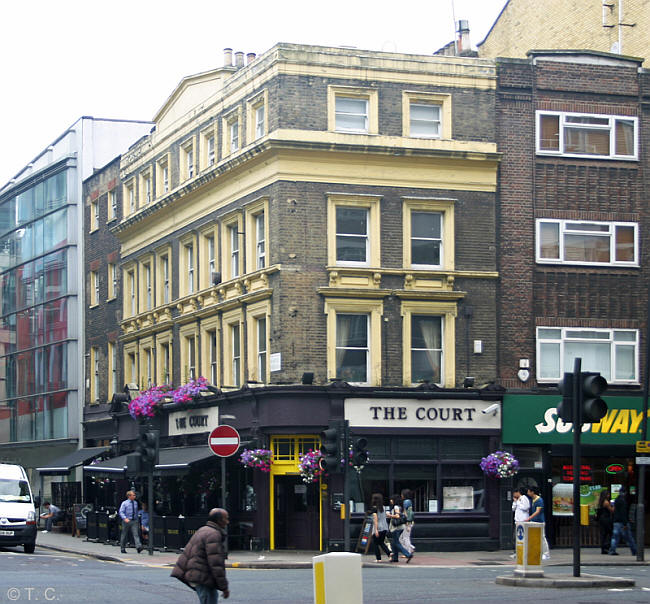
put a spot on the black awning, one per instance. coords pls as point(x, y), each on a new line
point(117, 465)
point(175, 459)
point(181, 458)
point(63, 465)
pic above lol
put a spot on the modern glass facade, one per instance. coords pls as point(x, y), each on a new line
point(34, 308)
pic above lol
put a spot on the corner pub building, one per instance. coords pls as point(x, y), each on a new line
point(318, 211)
point(428, 440)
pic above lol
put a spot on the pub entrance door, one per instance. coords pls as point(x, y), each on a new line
point(296, 514)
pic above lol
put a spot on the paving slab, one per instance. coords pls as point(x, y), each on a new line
point(556, 581)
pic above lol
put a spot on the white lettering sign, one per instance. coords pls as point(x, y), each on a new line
point(409, 413)
point(193, 421)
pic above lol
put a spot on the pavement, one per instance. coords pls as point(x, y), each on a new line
point(556, 570)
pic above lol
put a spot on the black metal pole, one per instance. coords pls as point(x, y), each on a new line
point(640, 504)
point(151, 508)
point(577, 429)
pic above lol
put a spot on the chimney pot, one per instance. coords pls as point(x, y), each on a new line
point(227, 57)
point(250, 57)
point(239, 59)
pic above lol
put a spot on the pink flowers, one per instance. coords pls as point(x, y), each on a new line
point(150, 401)
point(309, 466)
point(259, 459)
point(499, 464)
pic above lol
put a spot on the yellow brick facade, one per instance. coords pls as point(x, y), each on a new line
point(525, 25)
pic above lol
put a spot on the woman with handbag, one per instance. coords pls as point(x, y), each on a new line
point(397, 522)
point(379, 525)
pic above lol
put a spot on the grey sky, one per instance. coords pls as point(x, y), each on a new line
point(61, 59)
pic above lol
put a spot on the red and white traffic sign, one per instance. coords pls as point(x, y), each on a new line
point(224, 441)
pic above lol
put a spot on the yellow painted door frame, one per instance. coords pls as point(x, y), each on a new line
point(286, 456)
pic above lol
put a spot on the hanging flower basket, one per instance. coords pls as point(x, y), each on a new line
point(150, 401)
point(499, 464)
point(354, 459)
point(258, 459)
point(309, 466)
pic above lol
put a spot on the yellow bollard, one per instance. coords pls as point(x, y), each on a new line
point(337, 578)
point(530, 537)
point(584, 514)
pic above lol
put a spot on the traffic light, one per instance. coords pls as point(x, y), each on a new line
point(590, 387)
point(565, 407)
point(594, 408)
point(148, 448)
point(330, 449)
point(359, 453)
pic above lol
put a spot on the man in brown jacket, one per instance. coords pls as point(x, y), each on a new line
point(202, 565)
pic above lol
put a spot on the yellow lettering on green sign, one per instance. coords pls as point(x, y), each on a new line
point(606, 423)
point(622, 421)
point(635, 420)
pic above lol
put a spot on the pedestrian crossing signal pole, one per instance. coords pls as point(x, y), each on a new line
point(581, 403)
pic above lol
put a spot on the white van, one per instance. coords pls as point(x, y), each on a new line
point(17, 513)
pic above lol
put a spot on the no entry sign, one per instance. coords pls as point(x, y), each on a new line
point(224, 441)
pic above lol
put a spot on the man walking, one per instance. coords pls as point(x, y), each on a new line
point(202, 565)
point(537, 515)
point(621, 524)
point(129, 515)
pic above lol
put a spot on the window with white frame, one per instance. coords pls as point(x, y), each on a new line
point(352, 347)
point(130, 195)
point(260, 118)
point(212, 258)
point(148, 361)
point(189, 267)
point(148, 286)
point(426, 239)
point(165, 363)
point(132, 293)
point(587, 242)
point(112, 280)
point(191, 357)
point(146, 192)
point(112, 205)
point(352, 236)
point(164, 273)
point(611, 352)
point(425, 120)
point(426, 349)
point(261, 349)
point(112, 359)
point(235, 347)
point(233, 130)
point(94, 215)
point(94, 357)
point(212, 335)
point(94, 288)
point(351, 114)
point(187, 160)
point(133, 368)
point(260, 241)
point(210, 150)
point(587, 135)
point(163, 177)
point(233, 236)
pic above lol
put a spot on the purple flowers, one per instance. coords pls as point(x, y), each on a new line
point(309, 466)
point(499, 464)
point(150, 401)
point(259, 459)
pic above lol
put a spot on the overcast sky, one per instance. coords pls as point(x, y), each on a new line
point(61, 59)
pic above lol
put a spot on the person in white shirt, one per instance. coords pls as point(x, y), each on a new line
point(521, 508)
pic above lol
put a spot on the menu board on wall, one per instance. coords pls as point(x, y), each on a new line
point(458, 498)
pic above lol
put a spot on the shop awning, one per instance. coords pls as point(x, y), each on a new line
point(63, 465)
point(175, 459)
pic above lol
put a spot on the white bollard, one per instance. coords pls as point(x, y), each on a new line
point(337, 578)
point(530, 537)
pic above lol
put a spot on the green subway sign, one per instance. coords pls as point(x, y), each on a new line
point(533, 419)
